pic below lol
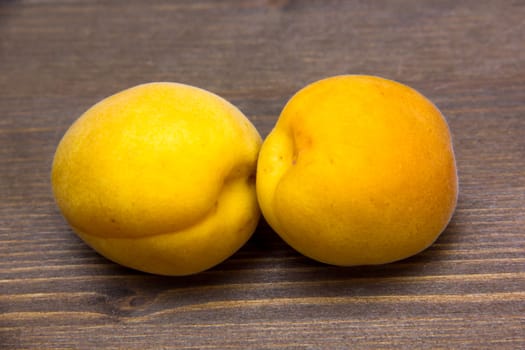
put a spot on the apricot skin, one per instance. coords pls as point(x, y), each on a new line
point(359, 170)
point(160, 178)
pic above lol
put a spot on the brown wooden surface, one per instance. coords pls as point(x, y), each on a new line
point(59, 57)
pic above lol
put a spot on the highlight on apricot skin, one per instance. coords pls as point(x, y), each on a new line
point(358, 170)
point(160, 178)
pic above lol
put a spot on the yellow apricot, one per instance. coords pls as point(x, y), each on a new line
point(358, 170)
point(160, 178)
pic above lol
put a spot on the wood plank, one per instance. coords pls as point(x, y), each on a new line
point(57, 58)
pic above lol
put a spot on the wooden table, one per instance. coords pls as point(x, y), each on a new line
point(57, 58)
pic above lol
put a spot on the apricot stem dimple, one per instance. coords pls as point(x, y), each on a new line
point(295, 151)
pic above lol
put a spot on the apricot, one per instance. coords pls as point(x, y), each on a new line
point(359, 170)
point(160, 178)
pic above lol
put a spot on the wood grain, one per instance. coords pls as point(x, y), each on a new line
point(59, 57)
